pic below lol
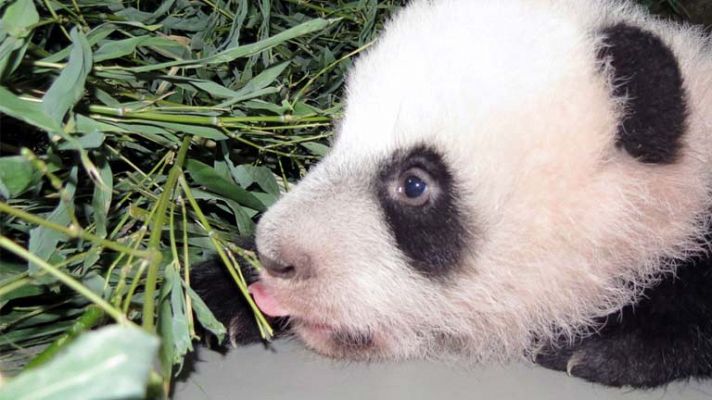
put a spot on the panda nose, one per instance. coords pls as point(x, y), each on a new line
point(277, 269)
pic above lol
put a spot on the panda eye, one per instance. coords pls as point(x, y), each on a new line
point(414, 187)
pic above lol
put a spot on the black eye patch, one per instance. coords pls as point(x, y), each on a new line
point(434, 235)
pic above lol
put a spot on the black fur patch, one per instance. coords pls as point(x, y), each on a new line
point(667, 336)
point(434, 236)
point(216, 287)
point(646, 71)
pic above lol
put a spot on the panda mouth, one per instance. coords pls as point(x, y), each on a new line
point(347, 340)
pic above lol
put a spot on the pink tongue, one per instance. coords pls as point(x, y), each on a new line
point(265, 301)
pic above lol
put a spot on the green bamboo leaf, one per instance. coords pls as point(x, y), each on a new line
point(243, 216)
point(210, 87)
point(69, 86)
point(170, 128)
point(166, 353)
point(94, 36)
point(101, 200)
point(16, 176)
point(29, 289)
point(205, 175)
point(119, 48)
point(246, 175)
point(179, 324)
point(315, 148)
point(263, 79)
point(28, 111)
point(10, 274)
point(247, 50)
point(255, 86)
point(205, 316)
point(91, 140)
point(43, 241)
point(18, 18)
point(110, 363)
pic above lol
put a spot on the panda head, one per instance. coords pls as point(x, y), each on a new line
point(505, 172)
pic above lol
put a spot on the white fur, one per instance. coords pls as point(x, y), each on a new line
point(566, 226)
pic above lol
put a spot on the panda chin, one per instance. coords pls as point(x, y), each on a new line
point(338, 342)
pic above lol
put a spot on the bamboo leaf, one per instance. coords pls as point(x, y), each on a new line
point(206, 317)
point(16, 176)
point(69, 86)
point(94, 36)
point(179, 324)
point(247, 50)
point(110, 363)
point(255, 87)
point(19, 17)
point(316, 148)
point(43, 241)
point(101, 200)
point(246, 175)
point(206, 176)
point(119, 48)
point(30, 112)
point(91, 140)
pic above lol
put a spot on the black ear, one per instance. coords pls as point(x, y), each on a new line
point(645, 72)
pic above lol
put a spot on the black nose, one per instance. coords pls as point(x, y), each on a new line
point(277, 269)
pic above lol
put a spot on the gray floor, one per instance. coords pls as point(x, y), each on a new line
point(291, 372)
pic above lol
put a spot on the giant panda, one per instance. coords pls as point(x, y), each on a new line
point(516, 179)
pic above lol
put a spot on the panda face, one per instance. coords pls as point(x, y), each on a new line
point(483, 202)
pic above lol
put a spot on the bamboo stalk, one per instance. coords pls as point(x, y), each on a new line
point(261, 320)
point(91, 317)
point(201, 119)
point(66, 279)
point(154, 240)
point(72, 231)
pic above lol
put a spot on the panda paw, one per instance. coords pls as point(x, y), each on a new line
point(216, 288)
point(612, 361)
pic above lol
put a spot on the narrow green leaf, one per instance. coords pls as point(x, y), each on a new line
point(164, 326)
point(28, 111)
point(206, 176)
point(69, 86)
point(316, 148)
point(89, 141)
point(118, 48)
point(207, 132)
point(181, 335)
point(101, 200)
point(205, 316)
point(255, 87)
point(231, 54)
point(96, 35)
point(43, 241)
point(19, 17)
point(110, 363)
point(246, 175)
point(16, 176)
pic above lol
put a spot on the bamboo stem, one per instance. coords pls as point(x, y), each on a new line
point(154, 240)
point(72, 231)
point(91, 317)
point(201, 119)
point(77, 286)
point(261, 320)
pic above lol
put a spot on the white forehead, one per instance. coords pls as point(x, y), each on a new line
point(452, 70)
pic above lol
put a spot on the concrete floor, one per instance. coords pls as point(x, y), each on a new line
point(290, 372)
